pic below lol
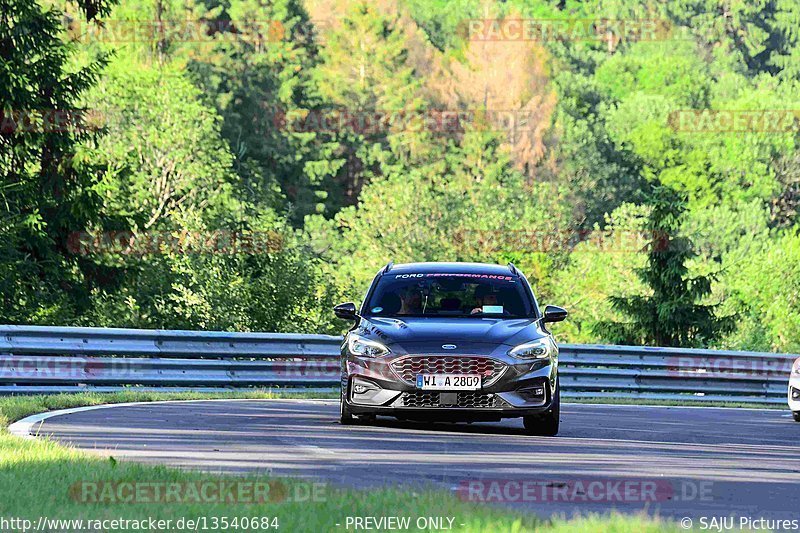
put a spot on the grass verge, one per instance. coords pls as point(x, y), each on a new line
point(40, 478)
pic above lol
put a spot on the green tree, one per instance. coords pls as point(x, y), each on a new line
point(598, 174)
point(601, 265)
point(472, 205)
point(255, 70)
point(673, 313)
point(273, 286)
point(165, 158)
point(171, 179)
point(736, 34)
point(363, 74)
point(784, 49)
point(47, 185)
point(762, 287)
point(251, 61)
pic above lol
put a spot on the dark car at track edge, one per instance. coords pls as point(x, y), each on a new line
point(451, 341)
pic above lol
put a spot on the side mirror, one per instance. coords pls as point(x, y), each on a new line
point(346, 311)
point(553, 313)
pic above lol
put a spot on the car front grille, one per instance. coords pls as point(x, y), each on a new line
point(463, 399)
point(407, 368)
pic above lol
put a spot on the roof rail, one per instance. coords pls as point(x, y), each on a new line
point(513, 269)
point(388, 267)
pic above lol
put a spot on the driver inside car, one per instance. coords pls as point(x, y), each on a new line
point(411, 302)
point(484, 296)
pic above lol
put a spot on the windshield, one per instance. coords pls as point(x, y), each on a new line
point(453, 295)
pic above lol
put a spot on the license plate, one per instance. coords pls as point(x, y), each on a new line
point(448, 381)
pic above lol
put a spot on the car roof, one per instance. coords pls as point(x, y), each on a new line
point(450, 268)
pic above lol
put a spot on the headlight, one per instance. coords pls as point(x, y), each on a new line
point(538, 349)
point(365, 347)
point(796, 367)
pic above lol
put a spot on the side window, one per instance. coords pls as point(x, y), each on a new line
point(534, 301)
point(370, 287)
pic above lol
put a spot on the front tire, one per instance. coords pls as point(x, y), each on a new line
point(547, 423)
point(796, 415)
point(345, 416)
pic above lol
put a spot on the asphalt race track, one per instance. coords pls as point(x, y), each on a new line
point(702, 461)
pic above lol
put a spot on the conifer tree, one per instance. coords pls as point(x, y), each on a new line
point(673, 313)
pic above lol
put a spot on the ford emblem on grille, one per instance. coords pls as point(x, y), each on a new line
point(449, 346)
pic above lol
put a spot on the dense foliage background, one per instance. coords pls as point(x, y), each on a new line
point(204, 182)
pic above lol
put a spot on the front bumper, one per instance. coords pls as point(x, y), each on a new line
point(521, 388)
point(794, 393)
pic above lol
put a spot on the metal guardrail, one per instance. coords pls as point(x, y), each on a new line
point(40, 359)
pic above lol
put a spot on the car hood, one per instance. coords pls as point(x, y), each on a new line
point(435, 331)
